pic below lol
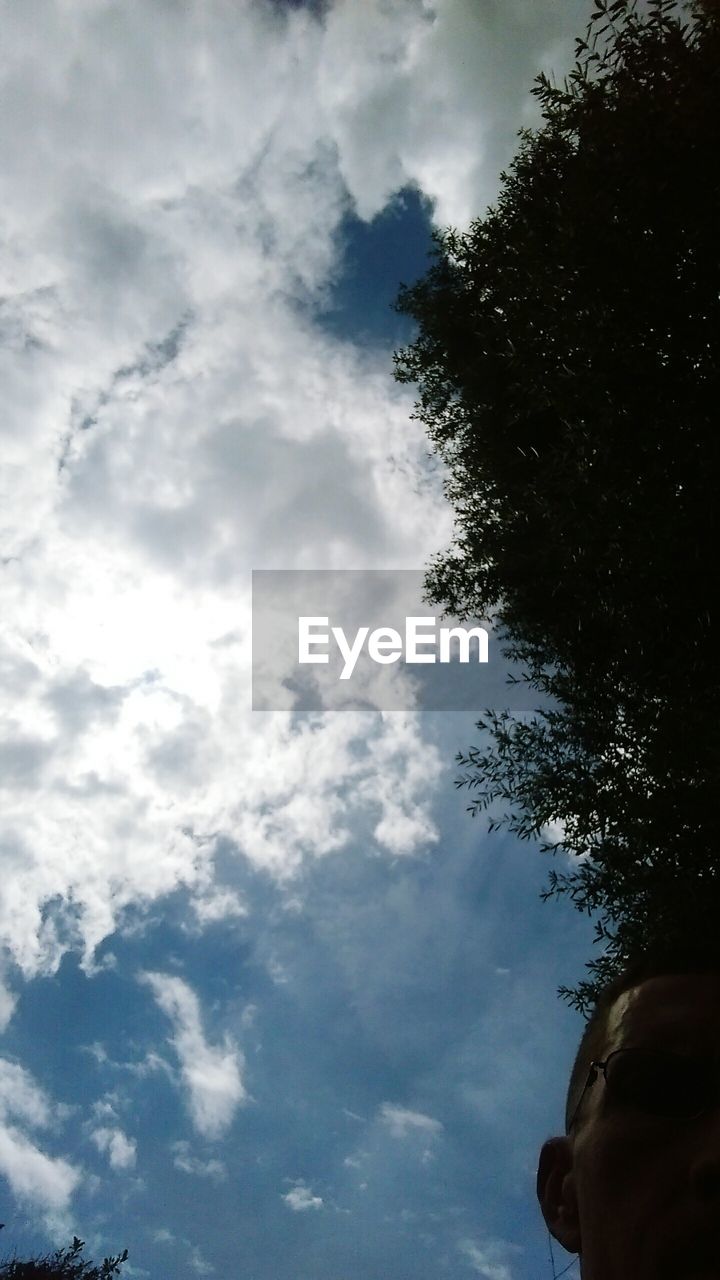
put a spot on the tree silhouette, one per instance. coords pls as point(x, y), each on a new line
point(64, 1264)
point(567, 368)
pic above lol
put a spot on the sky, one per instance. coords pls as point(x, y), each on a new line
point(273, 1005)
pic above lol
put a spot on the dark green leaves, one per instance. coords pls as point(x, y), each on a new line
point(64, 1264)
point(567, 369)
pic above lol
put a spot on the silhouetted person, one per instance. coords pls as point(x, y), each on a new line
point(633, 1186)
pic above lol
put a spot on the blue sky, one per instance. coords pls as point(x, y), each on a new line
point(273, 1005)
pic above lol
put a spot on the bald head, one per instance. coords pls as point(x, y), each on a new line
point(652, 964)
point(633, 1188)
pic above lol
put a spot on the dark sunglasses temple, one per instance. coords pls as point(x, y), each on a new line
point(705, 1092)
point(591, 1078)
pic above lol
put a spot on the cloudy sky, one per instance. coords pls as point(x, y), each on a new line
point(273, 1006)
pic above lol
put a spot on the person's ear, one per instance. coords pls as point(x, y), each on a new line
point(556, 1193)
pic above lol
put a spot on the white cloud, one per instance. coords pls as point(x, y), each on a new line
point(186, 1162)
point(490, 1258)
point(300, 1198)
point(22, 1097)
point(120, 1150)
point(174, 416)
point(191, 1252)
point(199, 1264)
point(218, 904)
point(8, 1000)
point(211, 1076)
point(163, 1235)
point(401, 1122)
point(45, 1182)
point(352, 1162)
point(433, 93)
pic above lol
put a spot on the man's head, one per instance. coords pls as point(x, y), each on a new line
point(634, 1184)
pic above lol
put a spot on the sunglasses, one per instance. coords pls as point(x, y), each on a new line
point(656, 1082)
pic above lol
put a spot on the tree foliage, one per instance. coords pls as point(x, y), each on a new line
point(64, 1264)
point(567, 367)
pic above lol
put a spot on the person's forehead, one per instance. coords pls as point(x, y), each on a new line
point(672, 1009)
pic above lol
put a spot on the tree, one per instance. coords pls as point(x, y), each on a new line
point(567, 366)
point(64, 1264)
